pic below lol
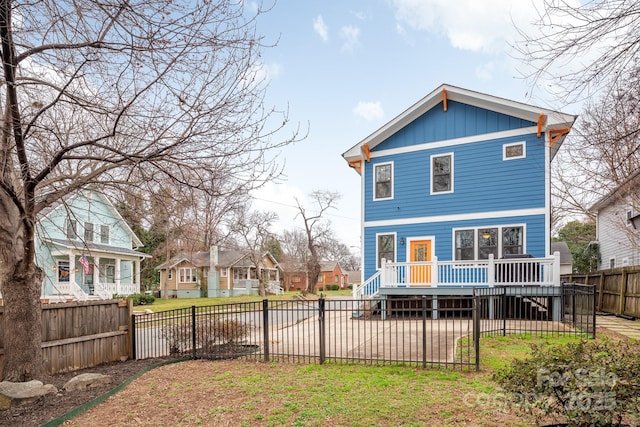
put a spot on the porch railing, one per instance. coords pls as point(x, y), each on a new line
point(483, 273)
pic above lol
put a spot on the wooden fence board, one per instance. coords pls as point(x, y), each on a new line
point(77, 335)
point(618, 289)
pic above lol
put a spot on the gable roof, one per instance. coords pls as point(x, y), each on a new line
point(69, 197)
point(201, 259)
point(552, 120)
point(565, 253)
point(620, 191)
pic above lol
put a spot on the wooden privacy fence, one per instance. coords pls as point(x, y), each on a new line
point(77, 335)
point(618, 289)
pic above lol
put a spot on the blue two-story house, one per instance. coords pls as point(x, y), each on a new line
point(456, 192)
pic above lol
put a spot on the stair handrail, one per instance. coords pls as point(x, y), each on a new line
point(369, 288)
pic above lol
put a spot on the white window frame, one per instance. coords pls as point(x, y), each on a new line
point(375, 182)
point(513, 144)
point(71, 224)
point(476, 239)
point(89, 237)
point(395, 247)
point(223, 272)
point(431, 173)
point(192, 277)
point(108, 234)
point(612, 262)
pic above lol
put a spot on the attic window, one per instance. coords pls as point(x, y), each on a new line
point(514, 151)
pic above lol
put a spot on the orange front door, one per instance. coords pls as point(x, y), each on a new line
point(420, 250)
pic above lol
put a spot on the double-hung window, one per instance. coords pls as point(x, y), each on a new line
point(88, 232)
point(383, 181)
point(186, 275)
point(442, 173)
point(104, 234)
point(72, 229)
point(386, 248)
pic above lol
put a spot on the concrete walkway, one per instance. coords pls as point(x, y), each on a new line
point(629, 328)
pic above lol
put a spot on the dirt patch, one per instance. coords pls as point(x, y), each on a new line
point(52, 406)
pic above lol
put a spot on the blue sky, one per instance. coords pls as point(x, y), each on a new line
point(345, 68)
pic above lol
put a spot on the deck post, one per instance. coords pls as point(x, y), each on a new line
point(556, 268)
point(491, 272)
point(435, 275)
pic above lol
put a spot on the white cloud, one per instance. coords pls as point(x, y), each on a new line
point(475, 25)
point(369, 110)
point(351, 36)
point(485, 71)
point(321, 28)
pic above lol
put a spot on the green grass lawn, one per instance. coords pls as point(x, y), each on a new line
point(250, 393)
point(175, 303)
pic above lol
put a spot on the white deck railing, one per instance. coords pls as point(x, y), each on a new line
point(485, 273)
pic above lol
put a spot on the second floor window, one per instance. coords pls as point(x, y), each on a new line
point(383, 175)
point(88, 232)
point(441, 173)
point(104, 234)
point(72, 229)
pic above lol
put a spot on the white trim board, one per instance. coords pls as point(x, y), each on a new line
point(457, 217)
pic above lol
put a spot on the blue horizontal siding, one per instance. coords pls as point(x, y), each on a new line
point(458, 121)
point(483, 181)
point(442, 232)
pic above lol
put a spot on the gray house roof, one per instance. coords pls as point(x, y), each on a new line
point(565, 254)
point(201, 259)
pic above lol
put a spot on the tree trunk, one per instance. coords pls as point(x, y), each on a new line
point(22, 325)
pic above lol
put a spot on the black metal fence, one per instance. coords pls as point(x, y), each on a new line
point(427, 331)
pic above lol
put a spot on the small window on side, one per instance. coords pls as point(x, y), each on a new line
point(514, 151)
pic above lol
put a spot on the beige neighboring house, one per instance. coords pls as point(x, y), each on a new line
point(217, 273)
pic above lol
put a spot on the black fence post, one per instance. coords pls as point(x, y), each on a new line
point(265, 328)
point(424, 331)
point(476, 329)
point(573, 305)
point(133, 337)
point(504, 312)
point(193, 332)
point(321, 327)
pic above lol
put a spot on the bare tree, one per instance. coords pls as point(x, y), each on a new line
point(317, 229)
point(589, 53)
point(601, 155)
point(253, 230)
point(581, 49)
point(108, 93)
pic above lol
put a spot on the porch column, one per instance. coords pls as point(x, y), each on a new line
point(72, 268)
point(137, 267)
point(117, 276)
point(96, 272)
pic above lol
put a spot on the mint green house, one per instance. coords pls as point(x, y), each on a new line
point(87, 250)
